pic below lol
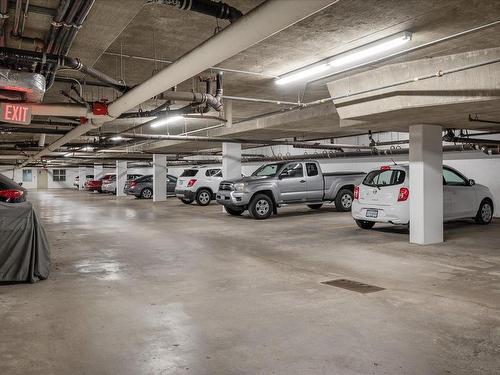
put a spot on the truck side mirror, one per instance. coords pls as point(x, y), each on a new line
point(283, 175)
point(472, 182)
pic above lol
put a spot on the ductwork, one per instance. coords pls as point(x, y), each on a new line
point(211, 8)
point(262, 22)
point(23, 58)
point(21, 86)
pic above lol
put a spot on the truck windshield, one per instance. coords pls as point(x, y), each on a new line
point(269, 170)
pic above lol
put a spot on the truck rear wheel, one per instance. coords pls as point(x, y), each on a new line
point(343, 201)
point(315, 206)
point(261, 207)
point(365, 224)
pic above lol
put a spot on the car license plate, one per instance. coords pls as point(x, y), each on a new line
point(372, 213)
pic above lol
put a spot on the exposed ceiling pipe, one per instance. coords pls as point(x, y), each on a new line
point(256, 100)
point(76, 26)
point(297, 144)
point(211, 8)
point(163, 61)
point(262, 22)
point(4, 15)
point(12, 56)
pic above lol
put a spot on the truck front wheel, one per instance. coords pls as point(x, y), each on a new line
point(343, 201)
point(261, 207)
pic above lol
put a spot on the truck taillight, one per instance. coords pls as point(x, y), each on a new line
point(404, 193)
point(191, 182)
point(11, 194)
point(356, 192)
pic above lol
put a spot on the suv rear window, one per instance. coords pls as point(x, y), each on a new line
point(189, 173)
point(386, 177)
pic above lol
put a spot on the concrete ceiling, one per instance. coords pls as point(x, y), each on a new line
point(162, 32)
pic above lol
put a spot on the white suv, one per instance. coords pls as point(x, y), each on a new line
point(383, 197)
point(200, 184)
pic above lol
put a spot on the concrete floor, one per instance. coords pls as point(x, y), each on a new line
point(165, 288)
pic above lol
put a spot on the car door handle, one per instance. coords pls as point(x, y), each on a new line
point(302, 181)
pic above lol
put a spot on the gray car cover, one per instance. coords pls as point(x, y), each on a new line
point(24, 249)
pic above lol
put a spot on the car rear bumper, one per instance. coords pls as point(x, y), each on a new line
point(397, 214)
point(185, 194)
point(232, 198)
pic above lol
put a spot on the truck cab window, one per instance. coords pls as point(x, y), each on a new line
point(293, 170)
point(312, 169)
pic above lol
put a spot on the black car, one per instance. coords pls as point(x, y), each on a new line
point(10, 192)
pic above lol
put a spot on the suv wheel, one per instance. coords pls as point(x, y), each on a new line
point(343, 201)
point(203, 197)
point(485, 213)
point(234, 211)
point(146, 193)
point(365, 224)
point(261, 207)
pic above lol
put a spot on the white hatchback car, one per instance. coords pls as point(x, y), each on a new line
point(383, 197)
point(200, 184)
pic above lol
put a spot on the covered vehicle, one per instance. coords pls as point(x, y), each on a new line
point(11, 192)
point(109, 186)
point(384, 197)
point(142, 187)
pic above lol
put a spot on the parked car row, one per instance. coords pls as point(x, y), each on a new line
point(380, 196)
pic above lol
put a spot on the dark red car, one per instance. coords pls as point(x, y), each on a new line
point(10, 192)
point(96, 185)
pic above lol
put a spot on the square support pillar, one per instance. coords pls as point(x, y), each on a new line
point(426, 184)
point(231, 161)
point(82, 177)
point(159, 178)
point(121, 177)
point(98, 171)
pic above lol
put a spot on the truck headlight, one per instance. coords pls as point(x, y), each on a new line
point(240, 187)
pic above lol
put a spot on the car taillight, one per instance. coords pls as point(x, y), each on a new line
point(133, 183)
point(385, 168)
point(404, 193)
point(11, 194)
point(356, 192)
point(191, 182)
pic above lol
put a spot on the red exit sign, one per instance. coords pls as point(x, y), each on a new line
point(15, 113)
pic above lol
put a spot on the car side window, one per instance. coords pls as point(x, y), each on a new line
point(212, 172)
point(451, 178)
point(312, 169)
point(293, 170)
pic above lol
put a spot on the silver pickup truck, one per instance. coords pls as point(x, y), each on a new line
point(287, 182)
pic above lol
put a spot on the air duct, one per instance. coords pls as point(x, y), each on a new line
point(210, 8)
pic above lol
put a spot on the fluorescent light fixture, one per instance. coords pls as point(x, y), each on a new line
point(354, 56)
point(378, 48)
point(88, 148)
point(165, 121)
point(302, 74)
point(116, 138)
point(68, 154)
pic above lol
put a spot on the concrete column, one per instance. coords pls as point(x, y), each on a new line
point(98, 171)
point(231, 161)
point(159, 178)
point(121, 177)
point(82, 173)
point(426, 184)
